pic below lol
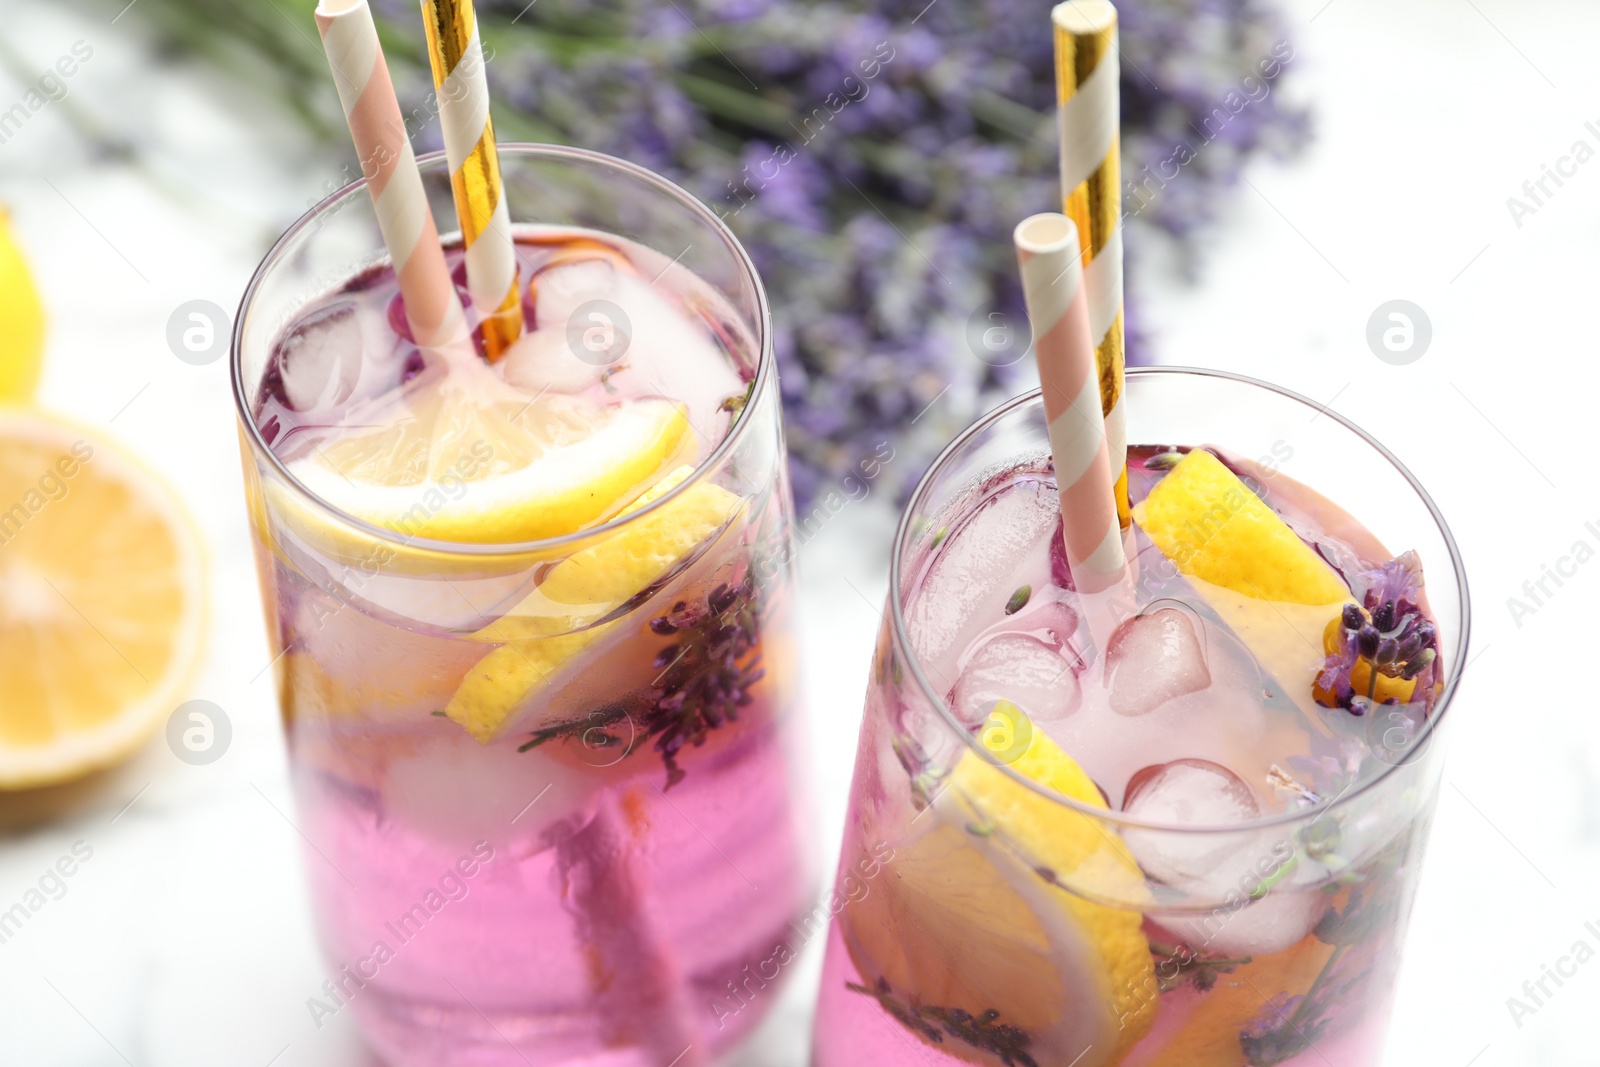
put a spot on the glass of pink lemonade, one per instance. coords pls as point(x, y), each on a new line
point(530, 624)
point(1181, 826)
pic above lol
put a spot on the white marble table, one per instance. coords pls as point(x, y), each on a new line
point(184, 939)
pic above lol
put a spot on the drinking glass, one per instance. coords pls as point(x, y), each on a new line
point(960, 943)
point(591, 899)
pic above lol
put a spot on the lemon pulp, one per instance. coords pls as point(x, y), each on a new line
point(467, 458)
point(101, 601)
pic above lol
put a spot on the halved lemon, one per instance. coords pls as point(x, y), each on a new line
point(101, 601)
point(469, 458)
point(971, 937)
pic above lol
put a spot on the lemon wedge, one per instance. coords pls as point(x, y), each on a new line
point(972, 917)
point(468, 458)
point(21, 321)
point(1208, 522)
point(101, 601)
point(1270, 587)
point(540, 636)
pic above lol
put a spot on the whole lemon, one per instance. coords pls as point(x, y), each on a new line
point(21, 321)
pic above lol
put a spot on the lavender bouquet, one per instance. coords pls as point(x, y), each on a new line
point(873, 155)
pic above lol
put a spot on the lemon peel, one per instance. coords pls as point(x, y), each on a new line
point(22, 321)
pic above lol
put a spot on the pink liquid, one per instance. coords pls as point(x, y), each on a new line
point(598, 926)
point(588, 885)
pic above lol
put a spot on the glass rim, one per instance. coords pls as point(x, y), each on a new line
point(902, 644)
point(765, 359)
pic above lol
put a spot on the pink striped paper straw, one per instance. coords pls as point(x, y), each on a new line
point(1058, 308)
point(351, 40)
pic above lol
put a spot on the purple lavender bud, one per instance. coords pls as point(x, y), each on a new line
point(722, 598)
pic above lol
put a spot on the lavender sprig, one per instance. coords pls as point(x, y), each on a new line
point(706, 674)
point(985, 1032)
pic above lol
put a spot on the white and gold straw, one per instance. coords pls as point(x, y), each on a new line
point(455, 53)
point(1087, 73)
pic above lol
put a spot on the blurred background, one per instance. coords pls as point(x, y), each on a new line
point(1400, 151)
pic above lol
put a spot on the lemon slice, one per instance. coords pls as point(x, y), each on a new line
point(467, 458)
point(1270, 587)
point(21, 321)
point(553, 624)
point(971, 919)
point(101, 601)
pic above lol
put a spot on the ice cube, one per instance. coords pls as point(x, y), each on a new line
point(672, 351)
point(1227, 722)
point(544, 359)
point(454, 789)
point(1256, 906)
point(562, 289)
point(594, 319)
point(1248, 927)
point(1152, 659)
point(568, 298)
point(1022, 669)
point(320, 357)
point(1189, 792)
point(976, 569)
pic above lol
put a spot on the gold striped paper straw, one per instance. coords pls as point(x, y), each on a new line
point(455, 53)
point(1088, 107)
